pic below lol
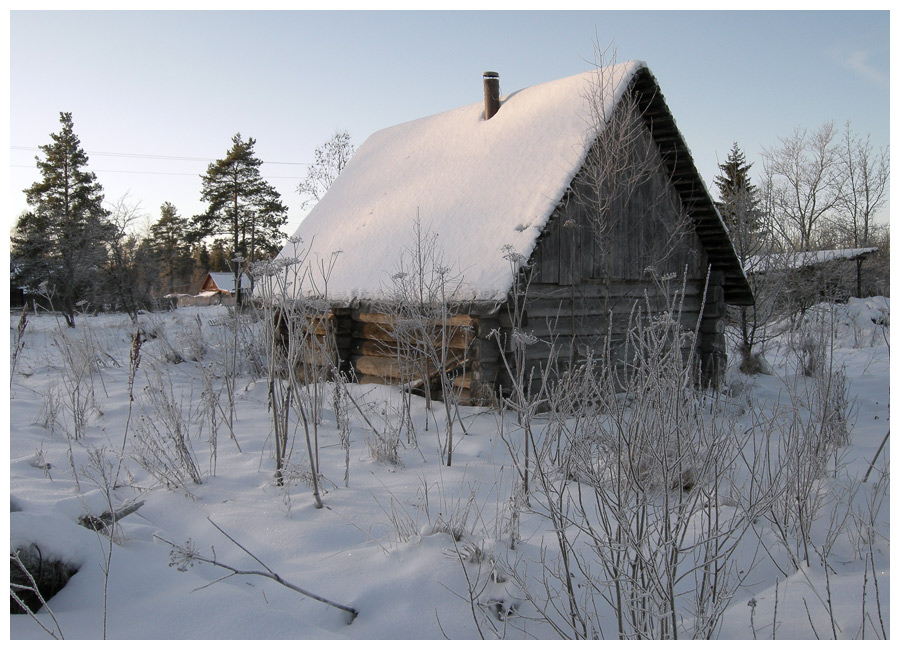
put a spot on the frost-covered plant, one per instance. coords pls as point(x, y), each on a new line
point(519, 396)
point(101, 473)
point(809, 437)
point(81, 362)
point(193, 339)
point(301, 351)
point(869, 542)
point(18, 342)
point(185, 556)
point(810, 434)
point(229, 328)
point(454, 512)
point(384, 443)
point(812, 340)
point(39, 462)
point(23, 585)
point(341, 407)
point(422, 306)
point(637, 461)
point(51, 404)
point(215, 410)
point(134, 361)
point(152, 329)
point(162, 445)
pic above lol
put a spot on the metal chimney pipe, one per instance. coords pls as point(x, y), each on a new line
point(491, 94)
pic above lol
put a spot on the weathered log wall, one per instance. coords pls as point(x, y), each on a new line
point(592, 273)
point(620, 238)
point(388, 349)
point(317, 344)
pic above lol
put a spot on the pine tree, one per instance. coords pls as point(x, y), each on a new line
point(218, 257)
point(200, 259)
point(170, 246)
point(61, 239)
point(242, 205)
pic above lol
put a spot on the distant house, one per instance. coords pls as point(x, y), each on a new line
point(507, 188)
point(222, 283)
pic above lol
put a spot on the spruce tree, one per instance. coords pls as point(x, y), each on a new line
point(60, 242)
point(242, 205)
point(739, 203)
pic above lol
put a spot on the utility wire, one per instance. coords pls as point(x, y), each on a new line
point(130, 171)
point(155, 156)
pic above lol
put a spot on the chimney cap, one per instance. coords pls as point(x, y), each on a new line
point(489, 73)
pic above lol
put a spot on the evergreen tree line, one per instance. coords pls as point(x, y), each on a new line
point(74, 252)
point(817, 189)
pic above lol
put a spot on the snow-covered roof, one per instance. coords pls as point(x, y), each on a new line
point(225, 281)
point(783, 261)
point(478, 184)
point(482, 186)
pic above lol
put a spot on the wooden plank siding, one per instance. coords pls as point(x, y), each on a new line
point(590, 280)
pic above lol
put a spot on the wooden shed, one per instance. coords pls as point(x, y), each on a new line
point(527, 189)
point(812, 276)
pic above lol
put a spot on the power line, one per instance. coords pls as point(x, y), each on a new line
point(155, 156)
point(129, 171)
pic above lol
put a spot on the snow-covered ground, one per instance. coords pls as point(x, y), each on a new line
point(382, 543)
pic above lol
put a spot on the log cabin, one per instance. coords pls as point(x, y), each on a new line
point(222, 283)
point(542, 217)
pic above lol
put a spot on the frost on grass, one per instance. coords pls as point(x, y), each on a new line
point(688, 491)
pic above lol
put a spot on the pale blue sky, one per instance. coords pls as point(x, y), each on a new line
point(166, 88)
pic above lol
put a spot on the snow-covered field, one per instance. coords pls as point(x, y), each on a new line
point(382, 544)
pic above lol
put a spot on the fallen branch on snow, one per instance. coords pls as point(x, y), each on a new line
point(184, 556)
point(108, 518)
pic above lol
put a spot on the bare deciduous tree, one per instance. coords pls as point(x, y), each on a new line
point(621, 163)
point(866, 173)
point(330, 160)
point(802, 184)
point(123, 285)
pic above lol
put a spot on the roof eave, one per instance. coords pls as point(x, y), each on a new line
point(708, 224)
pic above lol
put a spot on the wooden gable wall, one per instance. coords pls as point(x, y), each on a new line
point(588, 277)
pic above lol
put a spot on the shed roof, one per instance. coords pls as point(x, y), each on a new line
point(795, 261)
point(481, 186)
